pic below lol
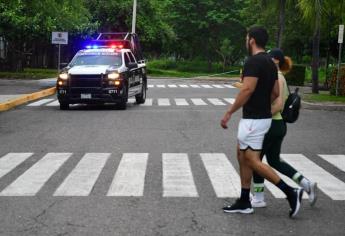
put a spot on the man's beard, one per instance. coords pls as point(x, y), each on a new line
point(249, 49)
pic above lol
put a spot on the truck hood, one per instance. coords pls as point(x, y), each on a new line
point(88, 70)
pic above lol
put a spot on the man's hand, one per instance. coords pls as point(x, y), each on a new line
point(225, 120)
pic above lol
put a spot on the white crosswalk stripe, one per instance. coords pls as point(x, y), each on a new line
point(216, 101)
point(11, 161)
point(40, 102)
point(336, 160)
point(148, 102)
point(229, 100)
point(198, 102)
point(53, 104)
point(228, 86)
point(163, 102)
point(29, 183)
point(83, 177)
point(190, 86)
point(160, 102)
point(329, 184)
point(177, 176)
point(224, 178)
point(181, 102)
point(217, 86)
point(129, 179)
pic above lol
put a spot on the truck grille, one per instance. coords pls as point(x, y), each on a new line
point(86, 81)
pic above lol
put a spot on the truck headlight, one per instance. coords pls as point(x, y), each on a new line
point(63, 76)
point(113, 76)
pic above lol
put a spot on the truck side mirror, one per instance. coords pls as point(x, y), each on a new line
point(63, 65)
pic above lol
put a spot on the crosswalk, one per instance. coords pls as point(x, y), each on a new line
point(129, 177)
point(200, 86)
point(156, 102)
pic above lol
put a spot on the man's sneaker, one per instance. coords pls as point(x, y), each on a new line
point(257, 203)
point(239, 206)
point(312, 193)
point(295, 201)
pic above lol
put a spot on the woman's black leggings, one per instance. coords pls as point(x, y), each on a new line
point(271, 148)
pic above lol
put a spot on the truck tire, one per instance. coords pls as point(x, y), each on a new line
point(140, 98)
point(64, 106)
point(122, 105)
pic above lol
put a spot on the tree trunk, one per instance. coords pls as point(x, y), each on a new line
point(316, 54)
point(281, 23)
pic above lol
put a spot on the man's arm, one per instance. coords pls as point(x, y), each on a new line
point(247, 89)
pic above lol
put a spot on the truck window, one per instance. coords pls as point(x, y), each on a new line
point(127, 59)
point(131, 57)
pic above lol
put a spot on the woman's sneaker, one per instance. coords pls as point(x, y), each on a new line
point(257, 203)
point(295, 201)
point(239, 206)
point(312, 194)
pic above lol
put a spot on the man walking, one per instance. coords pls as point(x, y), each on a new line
point(260, 87)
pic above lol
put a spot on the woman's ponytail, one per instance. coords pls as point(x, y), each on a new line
point(286, 66)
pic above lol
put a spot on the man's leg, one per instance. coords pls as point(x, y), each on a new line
point(242, 205)
point(294, 196)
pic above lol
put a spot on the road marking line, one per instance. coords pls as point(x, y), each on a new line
point(217, 86)
point(195, 86)
point(11, 161)
point(198, 102)
point(228, 86)
point(177, 176)
point(53, 104)
point(216, 101)
point(329, 184)
point(206, 86)
point(150, 86)
point(84, 176)
point(148, 102)
point(129, 179)
point(40, 102)
point(183, 86)
point(163, 102)
point(172, 85)
point(336, 160)
point(131, 100)
point(160, 86)
point(276, 192)
point(224, 178)
point(29, 183)
point(229, 100)
point(181, 102)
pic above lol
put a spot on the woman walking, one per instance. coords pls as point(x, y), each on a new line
point(274, 138)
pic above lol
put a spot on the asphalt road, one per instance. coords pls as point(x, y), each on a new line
point(156, 131)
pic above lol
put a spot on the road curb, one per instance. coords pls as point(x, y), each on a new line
point(26, 98)
point(320, 106)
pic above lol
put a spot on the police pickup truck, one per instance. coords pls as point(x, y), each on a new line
point(107, 72)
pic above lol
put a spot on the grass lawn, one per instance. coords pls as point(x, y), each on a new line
point(324, 96)
point(29, 74)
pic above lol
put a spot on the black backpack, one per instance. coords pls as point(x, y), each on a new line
point(292, 106)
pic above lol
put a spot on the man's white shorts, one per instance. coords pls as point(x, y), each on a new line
point(251, 133)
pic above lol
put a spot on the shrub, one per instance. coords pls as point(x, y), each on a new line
point(333, 81)
point(296, 76)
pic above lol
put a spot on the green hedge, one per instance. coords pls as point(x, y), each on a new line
point(296, 76)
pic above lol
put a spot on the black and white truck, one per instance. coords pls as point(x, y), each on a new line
point(109, 70)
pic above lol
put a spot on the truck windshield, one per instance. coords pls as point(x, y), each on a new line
point(82, 60)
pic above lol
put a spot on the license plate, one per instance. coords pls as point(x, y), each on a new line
point(85, 96)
